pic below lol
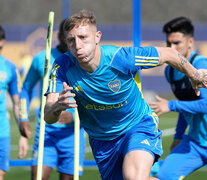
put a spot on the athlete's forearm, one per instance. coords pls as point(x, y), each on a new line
point(180, 127)
point(15, 101)
point(51, 113)
point(177, 61)
point(193, 107)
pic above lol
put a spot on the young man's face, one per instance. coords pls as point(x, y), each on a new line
point(82, 41)
point(183, 44)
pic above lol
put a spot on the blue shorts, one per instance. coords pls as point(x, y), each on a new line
point(4, 153)
point(109, 155)
point(59, 149)
point(183, 160)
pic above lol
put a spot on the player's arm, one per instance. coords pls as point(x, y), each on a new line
point(15, 102)
point(193, 107)
point(66, 117)
point(14, 92)
point(177, 61)
point(58, 102)
point(179, 131)
point(25, 98)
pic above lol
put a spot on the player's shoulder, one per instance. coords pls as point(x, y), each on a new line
point(200, 57)
point(109, 50)
point(39, 57)
point(200, 61)
point(65, 60)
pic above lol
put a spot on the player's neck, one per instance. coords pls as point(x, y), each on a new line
point(188, 55)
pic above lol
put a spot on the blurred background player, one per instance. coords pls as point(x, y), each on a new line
point(8, 81)
point(59, 137)
point(189, 152)
point(24, 65)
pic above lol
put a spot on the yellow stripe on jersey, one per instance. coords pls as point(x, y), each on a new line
point(19, 81)
point(23, 109)
point(53, 78)
point(145, 57)
point(155, 119)
point(146, 64)
point(181, 177)
point(138, 82)
point(146, 61)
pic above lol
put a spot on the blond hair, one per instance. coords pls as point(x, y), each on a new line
point(82, 17)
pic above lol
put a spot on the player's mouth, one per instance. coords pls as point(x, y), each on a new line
point(80, 56)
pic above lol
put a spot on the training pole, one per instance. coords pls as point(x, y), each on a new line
point(43, 98)
point(77, 145)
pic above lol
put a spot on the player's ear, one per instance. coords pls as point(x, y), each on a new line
point(98, 36)
point(191, 41)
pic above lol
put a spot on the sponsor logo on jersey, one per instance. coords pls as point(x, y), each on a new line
point(104, 107)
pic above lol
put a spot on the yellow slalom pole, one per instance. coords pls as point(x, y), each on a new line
point(77, 145)
point(44, 89)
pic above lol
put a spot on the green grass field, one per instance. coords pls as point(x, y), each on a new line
point(90, 173)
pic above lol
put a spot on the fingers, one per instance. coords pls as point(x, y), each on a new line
point(195, 87)
point(22, 153)
point(158, 98)
point(65, 90)
point(23, 147)
point(65, 85)
point(64, 98)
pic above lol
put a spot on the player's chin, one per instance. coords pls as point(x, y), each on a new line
point(83, 59)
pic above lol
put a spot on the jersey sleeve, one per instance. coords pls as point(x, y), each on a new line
point(180, 127)
point(131, 59)
point(31, 79)
point(13, 84)
point(193, 107)
point(58, 75)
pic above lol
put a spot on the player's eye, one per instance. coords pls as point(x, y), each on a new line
point(168, 44)
point(70, 41)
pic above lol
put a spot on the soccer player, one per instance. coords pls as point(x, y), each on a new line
point(123, 130)
point(189, 152)
point(8, 82)
point(59, 137)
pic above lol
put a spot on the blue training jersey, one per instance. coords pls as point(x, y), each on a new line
point(8, 82)
point(35, 74)
point(194, 112)
point(110, 101)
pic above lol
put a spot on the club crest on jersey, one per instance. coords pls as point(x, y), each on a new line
point(114, 85)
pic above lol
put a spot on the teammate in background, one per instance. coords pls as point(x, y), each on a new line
point(123, 130)
point(189, 152)
point(25, 63)
point(59, 137)
point(8, 82)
